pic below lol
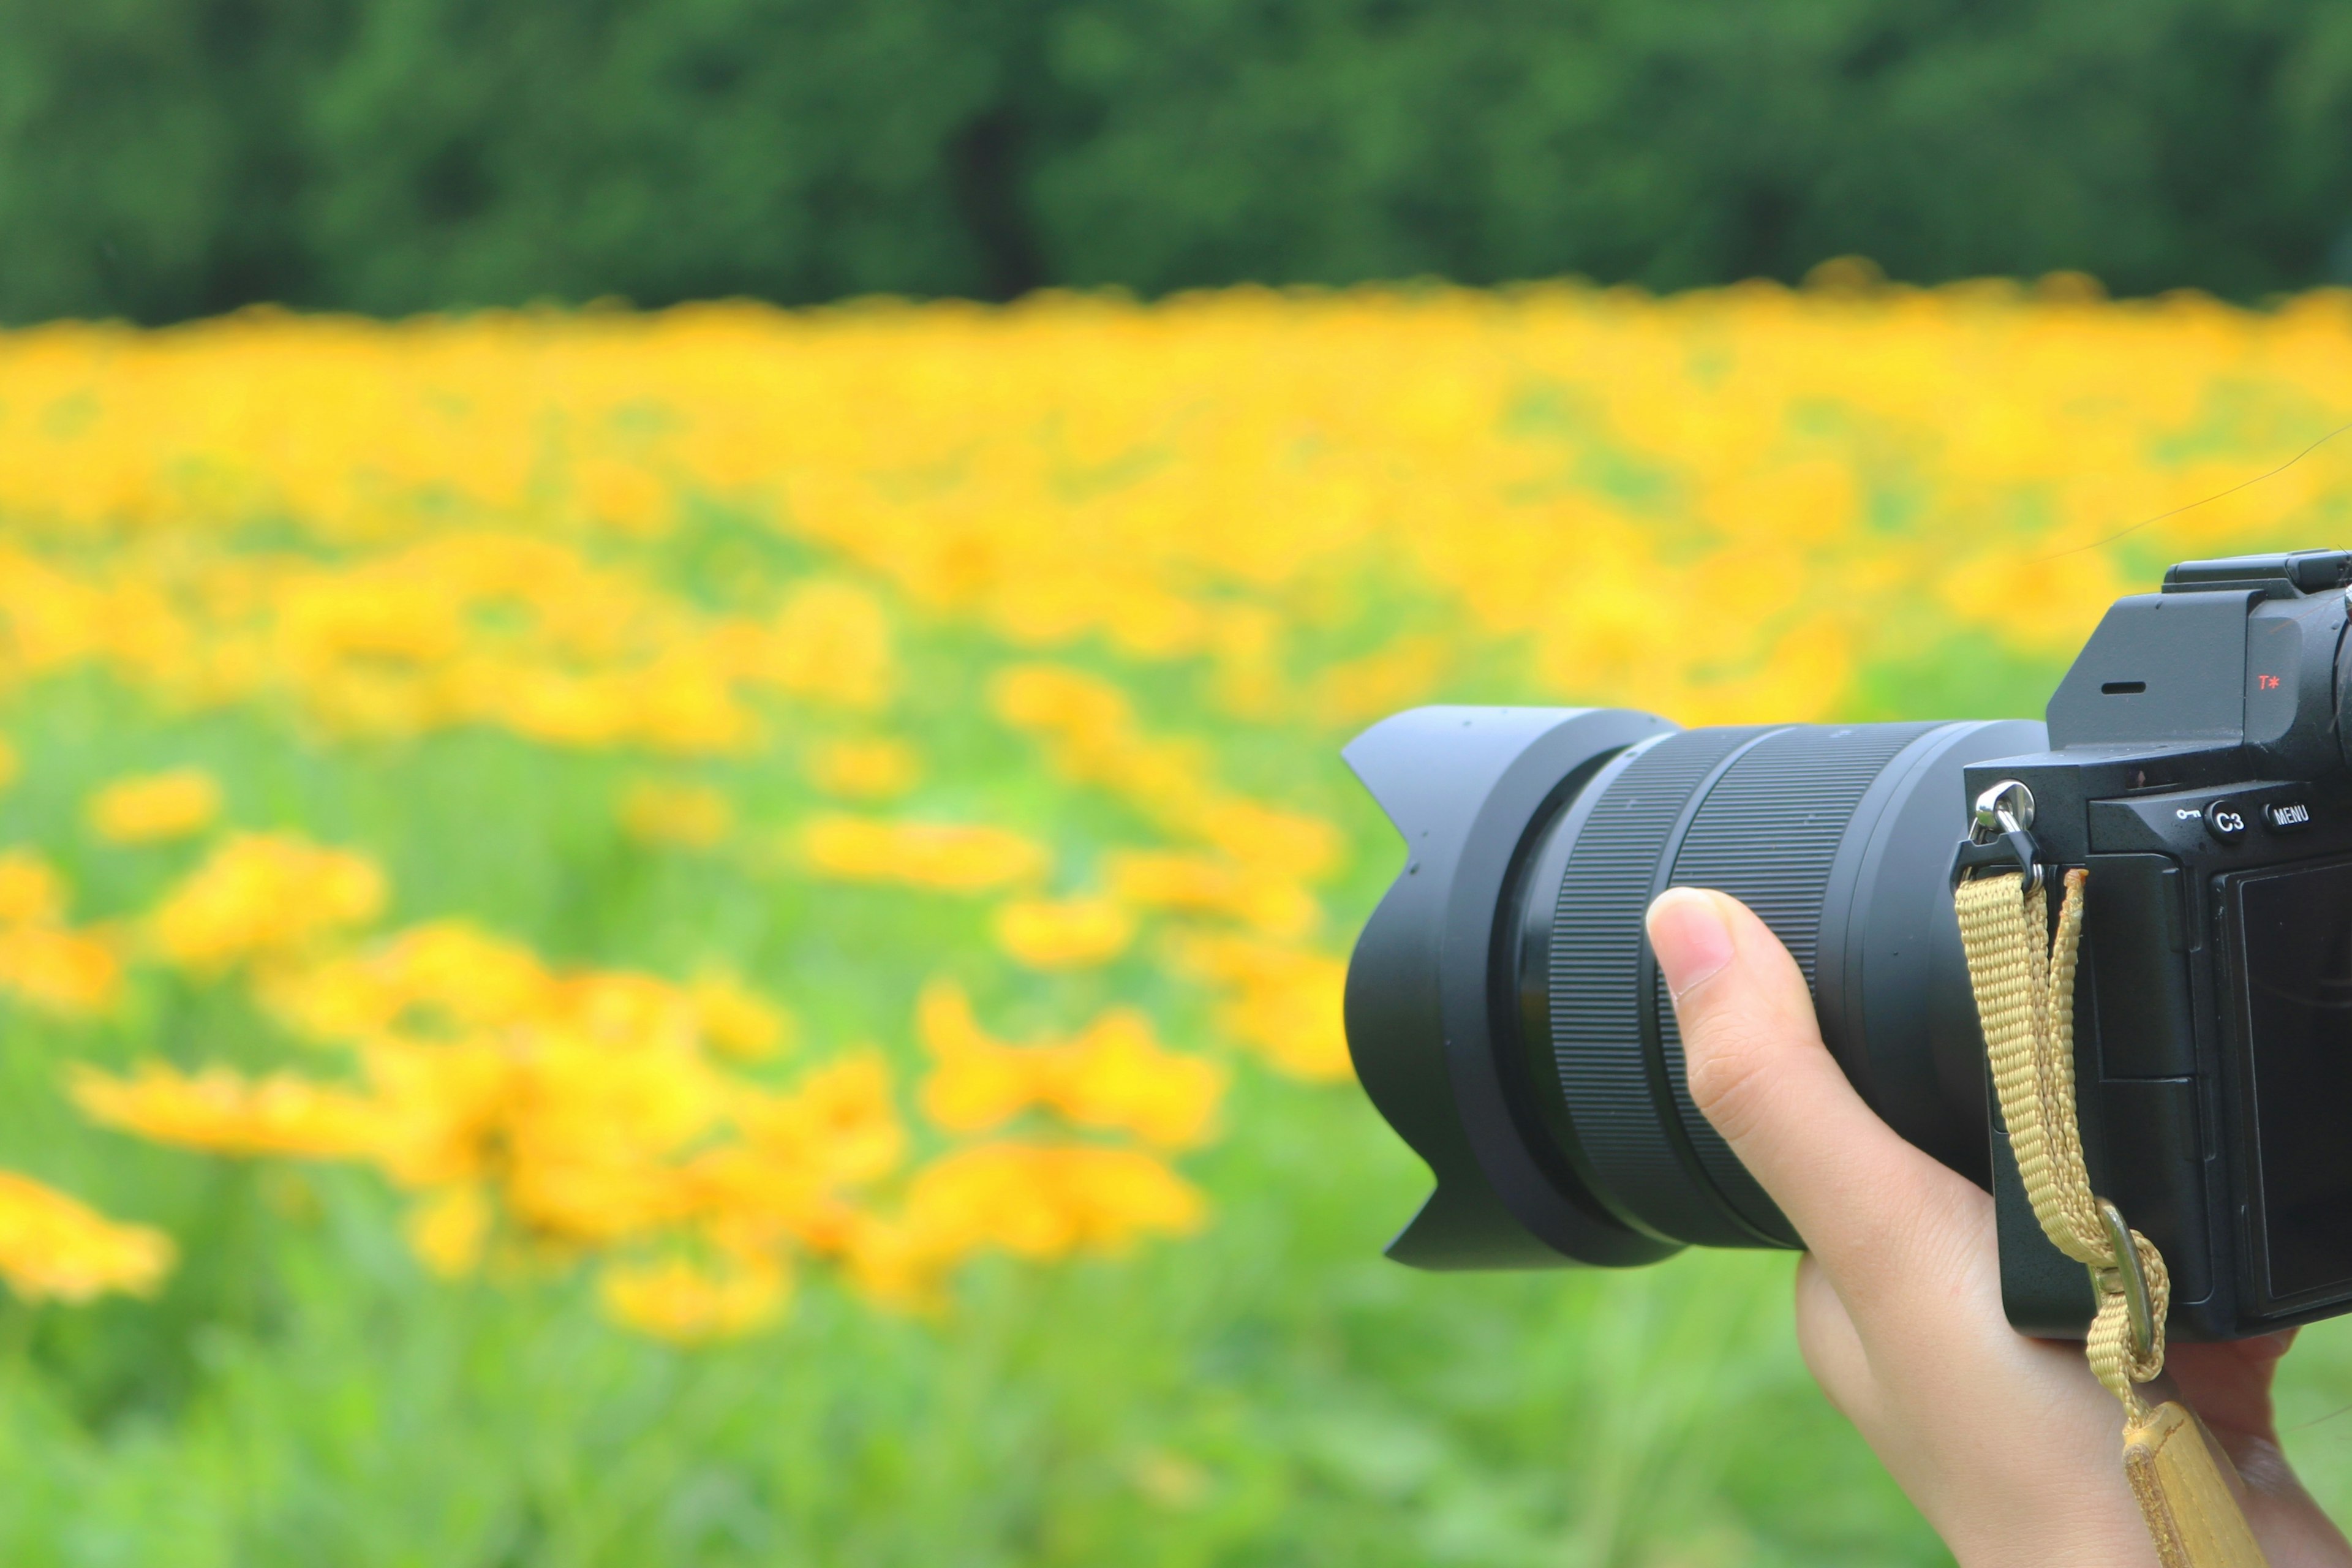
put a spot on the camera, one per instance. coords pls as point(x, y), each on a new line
point(1506, 1014)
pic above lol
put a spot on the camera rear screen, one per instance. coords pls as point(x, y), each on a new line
point(2298, 976)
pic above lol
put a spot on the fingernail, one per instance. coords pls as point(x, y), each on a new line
point(1689, 936)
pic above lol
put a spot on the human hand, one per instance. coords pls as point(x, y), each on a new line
point(2007, 1445)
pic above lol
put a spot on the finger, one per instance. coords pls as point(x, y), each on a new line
point(1864, 1201)
point(2229, 1385)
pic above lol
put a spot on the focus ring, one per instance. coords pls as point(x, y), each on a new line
point(1598, 962)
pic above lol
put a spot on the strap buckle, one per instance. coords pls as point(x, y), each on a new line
point(2130, 1277)
point(2000, 836)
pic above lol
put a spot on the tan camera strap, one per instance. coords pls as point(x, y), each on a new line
point(2024, 983)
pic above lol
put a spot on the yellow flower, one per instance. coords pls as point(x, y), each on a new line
point(1113, 1075)
point(1092, 736)
point(31, 891)
point(54, 1248)
point(1395, 676)
point(1279, 843)
point(737, 1021)
point(1043, 1202)
point(1090, 717)
point(469, 975)
point(436, 979)
point(220, 1110)
point(693, 816)
point(864, 770)
point(588, 1136)
point(152, 807)
point(448, 1228)
point(677, 1300)
point(437, 1114)
point(836, 1128)
point(67, 972)
point(948, 856)
point(1213, 885)
point(260, 894)
point(1117, 1075)
point(614, 1006)
point(1076, 933)
point(977, 1081)
point(581, 1105)
point(832, 641)
point(1284, 1002)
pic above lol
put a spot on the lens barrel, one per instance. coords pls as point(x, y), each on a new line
point(1507, 1015)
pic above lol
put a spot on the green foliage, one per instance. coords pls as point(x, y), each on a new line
point(160, 158)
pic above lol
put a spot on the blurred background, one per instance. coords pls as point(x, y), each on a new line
point(673, 870)
point(160, 158)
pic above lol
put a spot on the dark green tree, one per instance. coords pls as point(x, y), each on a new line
point(162, 158)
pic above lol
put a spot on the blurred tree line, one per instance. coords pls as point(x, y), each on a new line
point(165, 158)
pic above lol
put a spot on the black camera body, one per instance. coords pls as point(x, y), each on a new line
point(2197, 769)
point(1505, 1016)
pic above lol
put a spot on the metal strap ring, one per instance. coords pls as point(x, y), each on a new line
point(2129, 1279)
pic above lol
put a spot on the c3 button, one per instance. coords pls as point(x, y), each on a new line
point(2226, 820)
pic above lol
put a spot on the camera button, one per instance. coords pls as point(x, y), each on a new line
point(2286, 816)
point(2226, 820)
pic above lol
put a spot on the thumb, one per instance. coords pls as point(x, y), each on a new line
point(1852, 1187)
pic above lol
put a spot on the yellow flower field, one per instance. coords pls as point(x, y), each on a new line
point(759, 798)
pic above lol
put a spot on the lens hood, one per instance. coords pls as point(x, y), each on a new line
point(1468, 788)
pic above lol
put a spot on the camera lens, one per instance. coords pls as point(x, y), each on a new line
point(1507, 1016)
